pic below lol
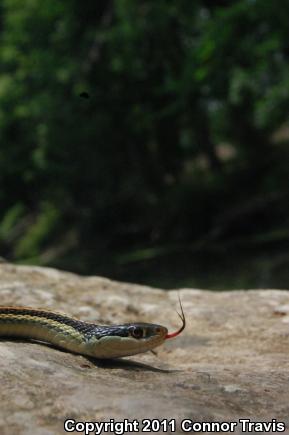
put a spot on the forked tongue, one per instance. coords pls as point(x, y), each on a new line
point(183, 319)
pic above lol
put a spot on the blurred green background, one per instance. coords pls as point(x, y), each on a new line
point(147, 141)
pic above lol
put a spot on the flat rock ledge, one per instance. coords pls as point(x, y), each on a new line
point(231, 362)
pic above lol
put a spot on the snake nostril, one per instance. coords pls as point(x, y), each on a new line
point(160, 331)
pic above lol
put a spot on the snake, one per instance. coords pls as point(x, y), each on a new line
point(82, 337)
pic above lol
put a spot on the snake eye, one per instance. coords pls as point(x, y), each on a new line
point(137, 332)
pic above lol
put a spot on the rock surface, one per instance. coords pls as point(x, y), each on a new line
point(231, 362)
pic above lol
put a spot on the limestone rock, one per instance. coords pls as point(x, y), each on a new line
point(231, 362)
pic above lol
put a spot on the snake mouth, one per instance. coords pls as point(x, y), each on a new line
point(183, 319)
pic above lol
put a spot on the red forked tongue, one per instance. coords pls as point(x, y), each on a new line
point(183, 319)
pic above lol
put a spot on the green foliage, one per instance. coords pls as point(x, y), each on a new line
point(9, 222)
point(33, 240)
point(174, 146)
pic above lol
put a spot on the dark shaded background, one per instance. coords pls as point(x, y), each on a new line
point(147, 141)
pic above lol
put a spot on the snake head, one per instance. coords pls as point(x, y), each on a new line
point(116, 341)
point(146, 336)
point(124, 340)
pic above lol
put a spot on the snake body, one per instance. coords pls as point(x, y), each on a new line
point(73, 335)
